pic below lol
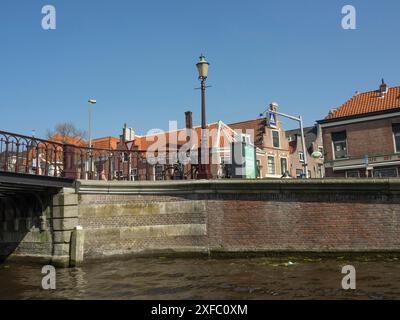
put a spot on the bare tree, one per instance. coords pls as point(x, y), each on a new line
point(66, 129)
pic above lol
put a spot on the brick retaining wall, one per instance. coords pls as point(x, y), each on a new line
point(236, 216)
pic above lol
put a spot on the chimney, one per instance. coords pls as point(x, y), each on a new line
point(189, 125)
point(188, 120)
point(383, 88)
point(331, 112)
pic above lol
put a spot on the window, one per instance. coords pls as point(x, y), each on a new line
point(299, 173)
point(353, 174)
point(283, 166)
point(275, 139)
point(246, 138)
point(301, 156)
point(133, 175)
point(271, 165)
point(396, 134)
point(339, 142)
point(383, 173)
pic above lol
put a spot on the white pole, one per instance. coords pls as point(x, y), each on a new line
point(304, 147)
point(90, 124)
point(300, 120)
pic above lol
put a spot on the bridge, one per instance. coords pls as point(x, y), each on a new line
point(37, 181)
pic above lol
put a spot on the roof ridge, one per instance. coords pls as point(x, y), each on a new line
point(377, 90)
point(246, 121)
point(175, 130)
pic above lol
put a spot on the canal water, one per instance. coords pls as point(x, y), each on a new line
point(168, 278)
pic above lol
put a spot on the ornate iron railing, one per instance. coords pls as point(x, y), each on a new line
point(30, 155)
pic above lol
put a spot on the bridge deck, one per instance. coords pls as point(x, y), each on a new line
point(11, 183)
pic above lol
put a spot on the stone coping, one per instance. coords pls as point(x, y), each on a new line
point(380, 186)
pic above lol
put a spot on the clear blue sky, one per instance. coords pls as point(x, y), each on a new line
point(137, 58)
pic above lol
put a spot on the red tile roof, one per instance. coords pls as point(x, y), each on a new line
point(105, 143)
point(61, 138)
point(368, 102)
point(101, 143)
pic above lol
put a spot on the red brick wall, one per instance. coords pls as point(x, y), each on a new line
point(370, 137)
point(265, 216)
point(304, 223)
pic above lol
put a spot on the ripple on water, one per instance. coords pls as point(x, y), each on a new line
point(206, 279)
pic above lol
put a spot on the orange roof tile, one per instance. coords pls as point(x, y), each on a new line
point(368, 102)
point(105, 143)
point(61, 138)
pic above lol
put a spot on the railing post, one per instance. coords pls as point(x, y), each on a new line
point(69, 162)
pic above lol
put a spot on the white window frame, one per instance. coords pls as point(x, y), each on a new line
point(394, 142)
point(301, 156)
point(246, 138)
point(268, 172)
point(287, 164)
point(279, 139)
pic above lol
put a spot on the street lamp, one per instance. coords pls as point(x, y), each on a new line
point(204, 168)
point(90, 103)
point(90, 160)
point(272, 109)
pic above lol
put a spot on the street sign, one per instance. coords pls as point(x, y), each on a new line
point(271, 120)
point(130, 144)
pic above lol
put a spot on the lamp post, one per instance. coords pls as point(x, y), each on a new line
point(299, 119)
point(90, 103)
point(90, 160)
point(204, 168)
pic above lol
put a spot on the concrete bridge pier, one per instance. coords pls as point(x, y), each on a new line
point(67, 235)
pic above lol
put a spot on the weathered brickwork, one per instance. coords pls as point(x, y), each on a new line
point(216, 217)
point(305, 226)
point(292, 216)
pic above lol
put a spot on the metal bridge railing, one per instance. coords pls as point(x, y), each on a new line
point(33, 156)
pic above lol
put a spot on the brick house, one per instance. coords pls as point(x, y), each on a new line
point(313, 141)
point(270, 144)
point(271, 140)
point(362, 137)
point(220, 139)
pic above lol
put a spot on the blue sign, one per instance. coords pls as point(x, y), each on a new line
point(366, 160)
point(271, 120)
